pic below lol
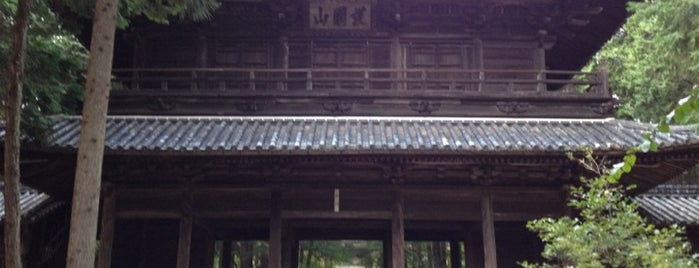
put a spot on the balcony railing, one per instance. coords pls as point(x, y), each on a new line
point(366, 81)
point(371, 92)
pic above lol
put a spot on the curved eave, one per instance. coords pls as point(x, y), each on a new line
point(573, 52)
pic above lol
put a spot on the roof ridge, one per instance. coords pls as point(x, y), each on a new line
point(351, 118)
point(673, 189)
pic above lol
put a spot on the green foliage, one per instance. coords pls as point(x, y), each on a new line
point(686, 111)
point(330, 253)
point(159, 11)
point(53, 67)
point(420, 254)
point(654, 59)
point(609, 231)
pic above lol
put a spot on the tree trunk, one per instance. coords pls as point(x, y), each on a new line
point(13, 257)
point(83, 222)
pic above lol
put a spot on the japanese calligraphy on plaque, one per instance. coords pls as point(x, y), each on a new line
point(340, 14)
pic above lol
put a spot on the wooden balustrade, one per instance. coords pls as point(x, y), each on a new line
point(366, 80)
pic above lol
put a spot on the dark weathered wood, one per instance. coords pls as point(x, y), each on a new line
point(210, 250)
point(369, 215)
point(455, 253)
point(185, 235)
point(226, 254)
point(290, 253)
point(143, 244)
point(474, 247)
point(294, 253)
point(397, 232)
point(104, 259)
point(13, 104)
point(88, 171)
point(151, 214)
point(387, 252)
point(488, 227)
point(202, 51)
point(275, 231)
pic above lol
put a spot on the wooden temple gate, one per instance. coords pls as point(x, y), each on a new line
point(389, 214)
point(189, 204)
point(394, 121)
point(175, 187)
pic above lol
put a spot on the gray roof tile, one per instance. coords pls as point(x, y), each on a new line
point(671, 204)
point(29, 199)
point(335, 135)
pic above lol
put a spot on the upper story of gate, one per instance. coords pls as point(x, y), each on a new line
point(501, 58)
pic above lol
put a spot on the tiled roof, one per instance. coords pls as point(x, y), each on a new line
point(29, 199)
point(340, 135)
point(671, 204)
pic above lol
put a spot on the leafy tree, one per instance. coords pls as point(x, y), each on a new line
point(609, 231)
point(159, 11)
point(53, 67)
point(654, 59)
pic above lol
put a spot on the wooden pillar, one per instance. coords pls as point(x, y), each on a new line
point(397, 60)
point(210, 250)
point(396, 53)
point(293, 251)
point(275, 231)
point(226, 254)
point(143, 244)
point(387, 250)
point(480, 65)
point(397, 233)
point(104, 259)
point(139, 53)
point(488, 227)
point(455, 253)
point(185, 237)
point(203, 50)
point(284, 49)
point(284, 43)
point(474, 246)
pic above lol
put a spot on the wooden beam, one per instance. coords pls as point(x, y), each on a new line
point(148, 214)
point(185, 236)
point(104, 259)
point(397, 233)
point(275, 231)
point(464, 191)
point(455, 253)
point(314, 214)
point(489, 248)
point(234, 214)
